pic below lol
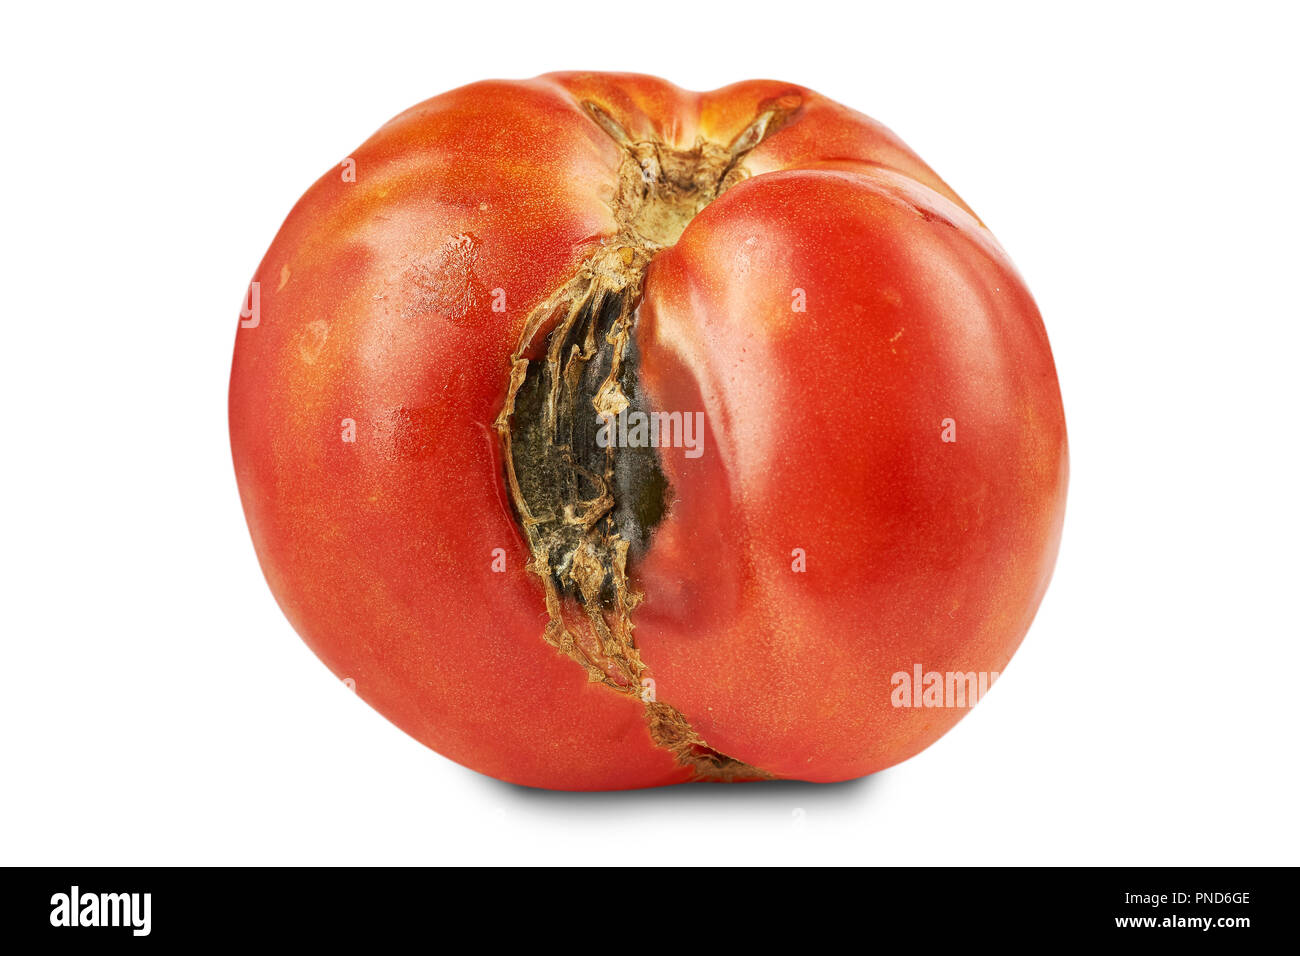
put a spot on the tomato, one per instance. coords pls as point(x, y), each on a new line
point(604, 434)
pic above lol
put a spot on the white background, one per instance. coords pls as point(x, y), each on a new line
point(1138, 161)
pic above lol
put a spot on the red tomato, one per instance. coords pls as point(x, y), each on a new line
point(610, 435)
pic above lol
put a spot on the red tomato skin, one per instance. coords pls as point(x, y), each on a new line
point(826, 435)
point(380, 551)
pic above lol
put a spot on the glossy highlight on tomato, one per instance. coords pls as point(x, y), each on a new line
point(605, 434)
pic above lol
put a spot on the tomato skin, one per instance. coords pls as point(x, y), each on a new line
point(380, 551)
point(377, 306)
point(918, 550)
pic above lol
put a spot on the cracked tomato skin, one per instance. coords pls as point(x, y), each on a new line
point(394, 302)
